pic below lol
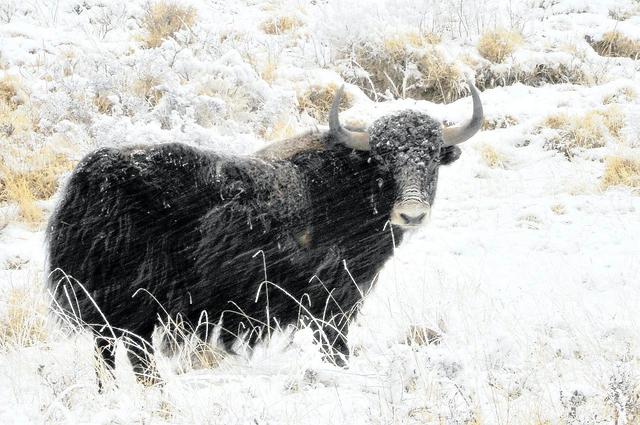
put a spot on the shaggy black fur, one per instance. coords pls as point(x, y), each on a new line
point(184, 225)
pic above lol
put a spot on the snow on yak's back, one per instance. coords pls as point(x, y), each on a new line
point(150, 233)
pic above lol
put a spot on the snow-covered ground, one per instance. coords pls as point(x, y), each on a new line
point(529, 269)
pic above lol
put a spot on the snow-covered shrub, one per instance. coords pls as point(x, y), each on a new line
point(620, 171)
point(566, 133)
point(492, 157)
point(23, 318)
point(616, 44)
point(497, 45)
point(403, 66)
point(490, 76)
point(163, 19)
point(30, 176)
point(317, 100)
point(281, 24)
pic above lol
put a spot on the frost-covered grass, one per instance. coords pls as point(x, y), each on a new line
point(516, 305)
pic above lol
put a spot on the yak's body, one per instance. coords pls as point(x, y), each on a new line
point(299, 230)
point(185, 225)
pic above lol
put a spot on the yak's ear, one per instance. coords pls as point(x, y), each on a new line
point(449, 154)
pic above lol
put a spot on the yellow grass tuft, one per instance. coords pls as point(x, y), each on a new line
point(491, 157)
point(280, 24)
point(36, 179)
point(559, 209)
point(621, 172)
point(497, 45)
point(163, 20)
point(147, 88)
point(504, 121)
point(422, 335)
point(586, 131)
point(410, 39)
point(441, 81)
point(270, 70)
point(23, 321)
point(615, 44)
point(103, 103)
point(621, 95)
point(281, 130)
point(317, 101)
point(9, 87)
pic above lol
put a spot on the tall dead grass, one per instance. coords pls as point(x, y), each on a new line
point(31, 178)
point(163, 19)
point(317, 100)
point(620, 171)
point(498, 45)
point(587, 131)
point(616, 44)
point(23, 319)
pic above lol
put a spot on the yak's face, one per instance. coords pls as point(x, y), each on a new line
point(409, 147)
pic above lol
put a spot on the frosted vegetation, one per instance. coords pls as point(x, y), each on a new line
point(518, 304)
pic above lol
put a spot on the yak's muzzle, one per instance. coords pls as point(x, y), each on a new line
point(410, 214)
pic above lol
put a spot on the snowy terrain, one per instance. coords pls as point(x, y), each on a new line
point(529, 269)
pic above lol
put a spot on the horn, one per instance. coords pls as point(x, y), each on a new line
point(455, 135)
point(358, 140)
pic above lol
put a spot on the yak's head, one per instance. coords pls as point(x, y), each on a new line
point(411, 146)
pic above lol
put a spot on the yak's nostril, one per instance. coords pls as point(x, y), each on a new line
point(412, 219)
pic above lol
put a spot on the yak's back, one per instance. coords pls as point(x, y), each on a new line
point(124, 216)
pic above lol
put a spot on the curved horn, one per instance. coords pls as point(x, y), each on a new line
point(454, 135)
point(358, 140)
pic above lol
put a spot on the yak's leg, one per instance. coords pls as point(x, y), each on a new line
point(140, 353)
point(105, 359)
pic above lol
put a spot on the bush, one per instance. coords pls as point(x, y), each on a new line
point(163, 20)
point(488, 76)
point(37, 179)
point(621, 172)
point(280, 24)
point(616, 44)
point(23, 320)
point(497, 45)
point(404, 66)
point(316, 102)
point(587, 131)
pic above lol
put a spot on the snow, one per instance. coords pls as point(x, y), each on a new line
point(529, 272)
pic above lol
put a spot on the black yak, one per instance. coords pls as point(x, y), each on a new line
point(296, 232)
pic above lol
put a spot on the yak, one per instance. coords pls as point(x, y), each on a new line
point(294, 233)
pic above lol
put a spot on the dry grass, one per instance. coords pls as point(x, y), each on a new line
point(147, 88)
point(103, 104)
point(281, 130)
point(559, 209)
point(492, 157)
point(488, 77)
point(504, 121)
point(389, 69)
point(23, 322)
point(36, 179)
point(587, 131)
point(616, 44)
point(441, 81)
point(410, 39)
point(621, 95)
point(270, 70)
point(317, 100)
point(621, 172)
point(497, 45)
point(163, 20)
point(16, 117)
point(280, 24)
point(422, 335)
